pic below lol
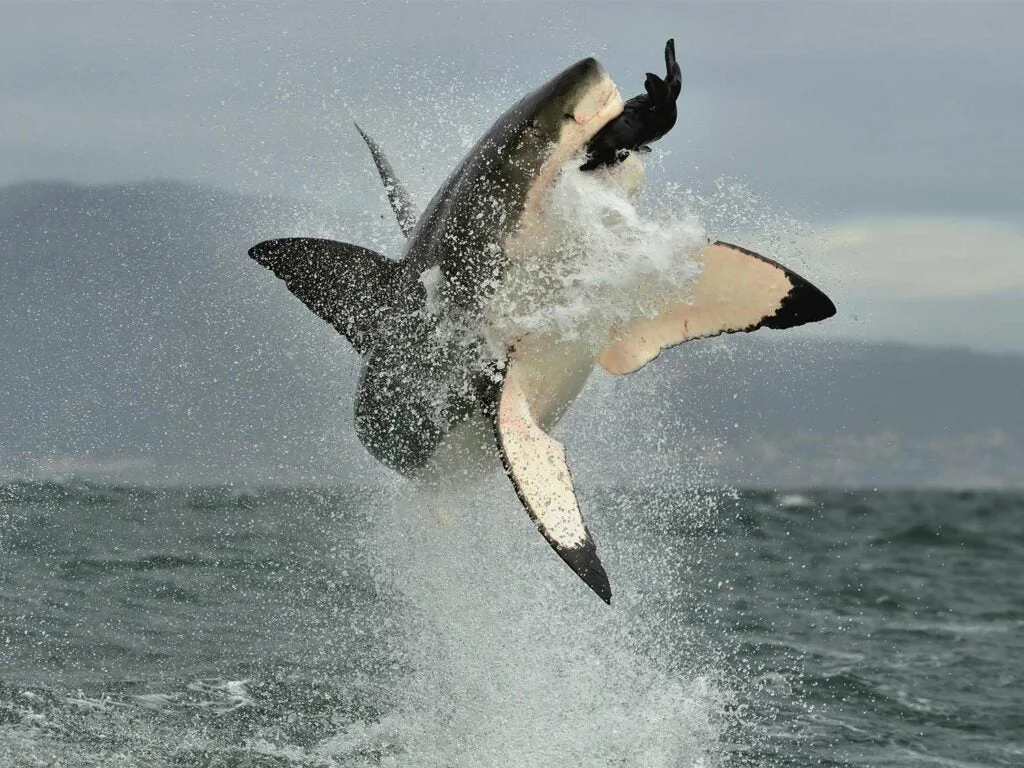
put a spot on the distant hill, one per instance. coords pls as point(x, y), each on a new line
point(139, 342)
point(762, 409)
point(140, 339)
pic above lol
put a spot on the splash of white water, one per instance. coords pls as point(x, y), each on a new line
point(600, 263)
point(512, 661)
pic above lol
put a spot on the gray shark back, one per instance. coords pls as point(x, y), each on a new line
point(419, 383)
point(465, 225)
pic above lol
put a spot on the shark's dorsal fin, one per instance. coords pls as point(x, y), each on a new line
point(397, 194)
point(536, 464)
point(351, 287)
point(737, 290)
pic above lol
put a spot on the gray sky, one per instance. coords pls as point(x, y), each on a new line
point(892, 130)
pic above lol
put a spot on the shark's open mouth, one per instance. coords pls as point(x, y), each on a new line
point(596, 109)
point(609, 105)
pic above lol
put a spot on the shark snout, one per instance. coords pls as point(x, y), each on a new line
point(602, 103)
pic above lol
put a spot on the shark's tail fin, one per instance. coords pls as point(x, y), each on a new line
point(350, 287)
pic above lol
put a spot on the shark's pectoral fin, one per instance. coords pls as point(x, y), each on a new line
point(351, 287)
point(535, 462)
point(737, 290)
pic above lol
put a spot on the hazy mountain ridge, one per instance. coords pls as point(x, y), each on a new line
point(139, 331)
point(778, 410)
point(140, 342)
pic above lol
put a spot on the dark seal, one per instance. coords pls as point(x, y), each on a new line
point(644, 119)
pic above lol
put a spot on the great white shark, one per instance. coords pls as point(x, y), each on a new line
point(437, 360)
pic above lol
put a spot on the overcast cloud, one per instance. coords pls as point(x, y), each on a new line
point(894, 129)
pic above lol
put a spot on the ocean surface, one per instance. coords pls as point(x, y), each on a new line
point(396, 627)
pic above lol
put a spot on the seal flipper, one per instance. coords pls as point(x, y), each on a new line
point(673, 74)
point(398, 195)
point(737, 291)
point(656, 88)
point(535, 462)
point(351, 287)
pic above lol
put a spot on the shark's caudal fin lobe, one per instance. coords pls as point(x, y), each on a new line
point(737, 291)
point(398, 195)
point(349, 286)
point(536, 464)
